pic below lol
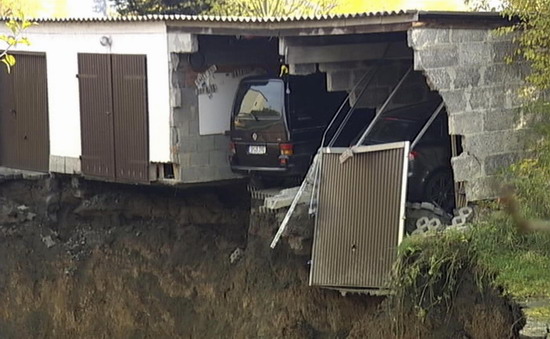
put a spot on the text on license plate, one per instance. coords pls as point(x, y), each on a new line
point(255, 149)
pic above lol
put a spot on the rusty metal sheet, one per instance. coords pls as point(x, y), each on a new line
point(130, 118)
point(24, 143)
point(96, 115)
point(359, 224)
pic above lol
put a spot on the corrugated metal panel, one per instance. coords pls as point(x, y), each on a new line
point(211, 18)
point(130, 114)
point(360, 217)
point(31, 102)
point(24, 140)
point(96, 115)
point(8, 126)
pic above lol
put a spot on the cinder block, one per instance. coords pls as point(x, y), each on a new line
point(302, 69)
point(466, 123)
point(496, 163)
point(466, 76)
point(422, 38)
point(489, 143)
point(339, 66)
point(194, 127)
point(221, 142)
point(502, 50)
point(199, 159)
point(501, 119)
point(455, 101)
point(188, 144)
point(205, 144)
point(469, 35)
point(502, 74)
point(218, 158)
point(436, 57)
point(475, 53)
point(57, 164)
point(339, 81)
point(175, 97)
point(184, 160)
point(72, 165)
point(483, 188)
point(440, 78)
point(466, 167)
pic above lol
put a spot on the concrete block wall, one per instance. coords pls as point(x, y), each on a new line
point(201, 158)
point(342, 76)
point(481, 92)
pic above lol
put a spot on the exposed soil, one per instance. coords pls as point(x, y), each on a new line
point(96, 260)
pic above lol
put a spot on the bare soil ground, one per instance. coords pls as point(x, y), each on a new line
point(98, 260)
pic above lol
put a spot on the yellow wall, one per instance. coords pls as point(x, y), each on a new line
point(37, 8)
point(358, 6)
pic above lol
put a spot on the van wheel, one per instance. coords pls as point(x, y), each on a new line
point(439, 190)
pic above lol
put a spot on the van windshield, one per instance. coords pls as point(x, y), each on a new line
point(259, 100)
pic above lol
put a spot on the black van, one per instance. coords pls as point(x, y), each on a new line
point(277, 124)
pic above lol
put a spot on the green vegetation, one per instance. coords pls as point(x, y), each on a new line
point(496, 251)
point(14, 38)
point(534, 29)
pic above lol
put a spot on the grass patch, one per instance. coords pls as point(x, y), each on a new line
point(520, 262)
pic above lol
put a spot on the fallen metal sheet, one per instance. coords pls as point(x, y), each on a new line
point(360, 216)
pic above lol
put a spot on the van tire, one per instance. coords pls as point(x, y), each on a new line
point(418, 211)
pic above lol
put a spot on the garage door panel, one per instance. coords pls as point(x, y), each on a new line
point(130, 118)
point(96, 114)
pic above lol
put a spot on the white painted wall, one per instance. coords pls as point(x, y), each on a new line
point(63, 41)
point(215, 108)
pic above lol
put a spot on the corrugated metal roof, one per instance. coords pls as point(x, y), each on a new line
point(208, 18)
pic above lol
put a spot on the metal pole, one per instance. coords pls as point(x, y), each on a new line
point(384, 106)
point(342, 106)
point(352, 108)
point(427, 125)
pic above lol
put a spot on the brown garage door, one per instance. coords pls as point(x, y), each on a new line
point(24, 136)
point(359, 222)
point(113, 108)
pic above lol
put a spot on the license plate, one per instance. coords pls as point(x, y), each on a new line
point(254, 149)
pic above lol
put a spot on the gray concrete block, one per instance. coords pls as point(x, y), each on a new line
point(459, 35)
point(466, 167)
point(466, 76)
point(479, 98)
point(421, 38)
point(502, 50)
point(199, 159)
point(194, 127)
point(302, 69)
point(502, 74)
point(188, 144)
point(490, 143)
point(454, 101)
point(72, 165)
point(466, 123)
point(205, 144)
point(436, 57)
point(221, 142)
point(339, 81)
point(475, 53)
point(184, 160)
point(501, 119)
point(494, 164)
point(218, 158)
point(440, 78)
point(339, 66)
point(57, 164)
point(483, 188)
point(180, 118)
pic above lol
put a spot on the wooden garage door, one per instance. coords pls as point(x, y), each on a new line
point(114, 121)
point(24, 133)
